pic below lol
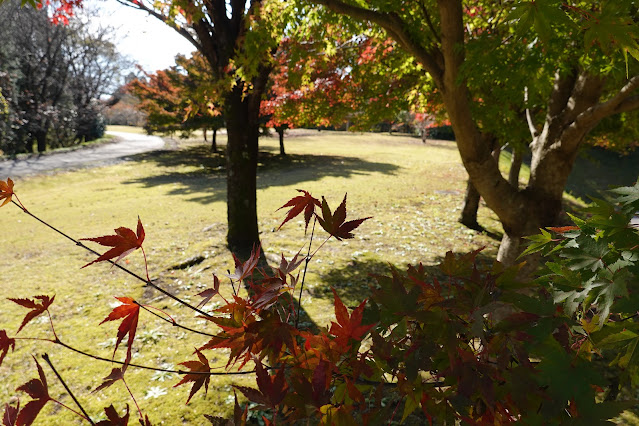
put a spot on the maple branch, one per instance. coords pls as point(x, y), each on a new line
point(133, 274)
point(308, 259)
point(173, 322)
point(146, 367)
point(86, 416)
point(51, 322)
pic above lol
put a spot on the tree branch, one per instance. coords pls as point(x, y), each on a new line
point(531, 125)
point(623, 101)
point(429, 22)
point(396, 27)
point(138, 5)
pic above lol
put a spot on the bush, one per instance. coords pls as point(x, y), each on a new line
point(479, 346)
point(440, 132)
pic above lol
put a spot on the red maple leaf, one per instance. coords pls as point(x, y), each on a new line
point(115, 375)
point(130, 311)
point(6, 191)
point(123, 242)
point(201, 366)
point(10, 414)
point(210, 292)
point(39, 391)
point(245, 269)
point(272, 389)
point(36, 307)
point(5, 343)
point(348, 326)
point(287, 267)
point(334, 224)
point(113, 418)
point(302, 203)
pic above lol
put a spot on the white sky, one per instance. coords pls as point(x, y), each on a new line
point(143, 38)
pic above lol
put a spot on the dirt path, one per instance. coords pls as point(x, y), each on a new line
point(110, 153)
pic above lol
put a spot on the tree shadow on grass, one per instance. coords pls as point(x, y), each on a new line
point(353, 282)
point(206, 176)
point(597, 170)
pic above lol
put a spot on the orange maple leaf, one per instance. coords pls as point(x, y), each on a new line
point(6, 191)
point(123, 242)
point(348, 326)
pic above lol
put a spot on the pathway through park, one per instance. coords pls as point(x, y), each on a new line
point(110, 153)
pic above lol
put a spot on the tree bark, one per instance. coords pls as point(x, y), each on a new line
point(280, 132)
point(242, 119)
point(515, 168)
point(41, 140)
point(204, 133)
point(214, 141)
point(471, 205)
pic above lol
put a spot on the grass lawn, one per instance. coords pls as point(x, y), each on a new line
point(414, 192)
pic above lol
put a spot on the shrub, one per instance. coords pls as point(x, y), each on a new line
point(480, 345)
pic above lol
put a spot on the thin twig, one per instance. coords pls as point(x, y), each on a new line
point(175, 323)
point(232, 285)
point(51, 322)
point(308, 259)
point(133, 398)
point(146, 367)
point(86, 415)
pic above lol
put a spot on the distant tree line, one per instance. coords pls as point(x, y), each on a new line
point(51, 80)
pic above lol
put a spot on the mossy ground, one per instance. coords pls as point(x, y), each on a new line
point(413, 191)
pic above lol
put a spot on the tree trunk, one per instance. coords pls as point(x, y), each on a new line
point(515, 167)
point(471, 200)
point(242, 119)
point(204, 133)
point(214, 141)
point(471, 205)
point(281, 133)
point(41, 139)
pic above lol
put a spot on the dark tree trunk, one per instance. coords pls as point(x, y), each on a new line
point(471, 205)
point(214, 141)
point(242, 119)
point(204, 133)
point(280, 132)
point(471, 201)
point(41, 139)
point(515, 168)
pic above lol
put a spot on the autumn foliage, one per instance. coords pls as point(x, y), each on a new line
point(471, 343)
